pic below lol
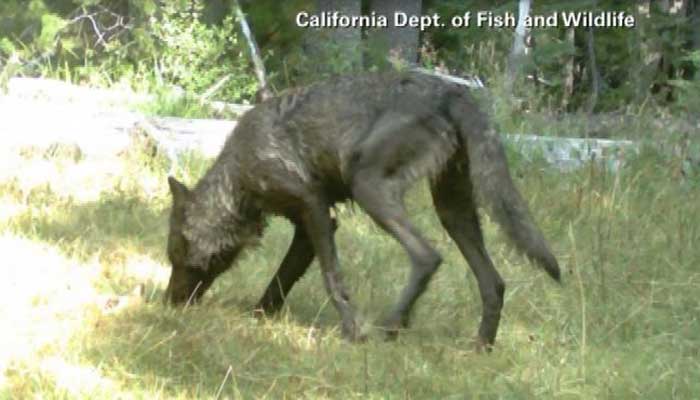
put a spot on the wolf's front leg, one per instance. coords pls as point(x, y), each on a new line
point(320, 227)
point(294, 265)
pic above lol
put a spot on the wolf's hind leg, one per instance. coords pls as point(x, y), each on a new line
point(452, 196)
point(386, 208)
point(294, 265)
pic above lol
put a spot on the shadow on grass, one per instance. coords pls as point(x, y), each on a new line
point(199, 352)
point(111, 228)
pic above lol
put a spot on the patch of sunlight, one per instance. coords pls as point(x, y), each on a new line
point(77, 380)
point(145, 269)
point(84, 181)
point(38, 285)
point(303, 337)
point(45, 298)
point(10, 209)
point(31, 173)
point(10, 163)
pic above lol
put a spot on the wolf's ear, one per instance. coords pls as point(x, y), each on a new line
point(178, 190)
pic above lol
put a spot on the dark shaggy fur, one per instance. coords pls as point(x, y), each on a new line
point(366, 138)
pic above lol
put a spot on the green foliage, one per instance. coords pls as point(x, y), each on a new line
point(168, 102)
point(280, 39)
point(148, 44)
point(51, 25)
point(328, 58)
point(196, 56)
point(688, 90)
point(196, 45)
point(635, 64)
point(478, 51)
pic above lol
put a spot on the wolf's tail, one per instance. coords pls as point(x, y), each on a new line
point(494, 187)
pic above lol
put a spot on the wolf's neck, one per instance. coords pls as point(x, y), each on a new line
point(217, 193)
point(215, 213)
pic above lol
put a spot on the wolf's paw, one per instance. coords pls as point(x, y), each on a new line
point(262, 311)
point(481, 345)
point(392, 326)
point(352, 332)
point(267, 308)
point(259, 313)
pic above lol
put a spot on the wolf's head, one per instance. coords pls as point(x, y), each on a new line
point(195, 263)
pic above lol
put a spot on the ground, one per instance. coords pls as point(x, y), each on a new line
point(82, 234)
point(79, 234)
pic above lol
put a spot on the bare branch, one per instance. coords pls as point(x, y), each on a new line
point(254, 51)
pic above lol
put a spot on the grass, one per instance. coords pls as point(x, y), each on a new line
point(78, 233)
point(170, 103)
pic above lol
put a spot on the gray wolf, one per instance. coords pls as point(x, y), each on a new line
point(363, 138)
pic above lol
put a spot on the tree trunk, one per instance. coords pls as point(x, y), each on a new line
point(678, 7)
point(337, 49)
point(646, 56)
point(593, 69)
point(400, 43)
point(569, 68)
point(215, 11)
point(519, 50)
point(694, 12)
point(663, 67)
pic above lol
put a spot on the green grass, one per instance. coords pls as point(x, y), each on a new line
point(624, 325)
point(168, 103)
